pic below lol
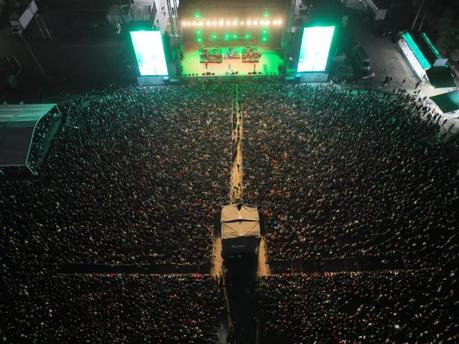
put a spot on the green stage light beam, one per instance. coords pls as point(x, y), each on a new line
point(315, 48)
point(149, 52)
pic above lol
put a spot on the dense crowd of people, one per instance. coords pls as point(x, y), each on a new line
point(133, 177)
point(408, 306)
point(137, 175)
point(113, 308)
point(340, 172)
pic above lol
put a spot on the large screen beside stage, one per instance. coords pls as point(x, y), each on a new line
point(149, 52)
point(315, 48)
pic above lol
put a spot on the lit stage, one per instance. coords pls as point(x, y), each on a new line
point(268, 64)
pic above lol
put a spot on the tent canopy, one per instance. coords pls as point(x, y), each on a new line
point(234, 213)
point(239, 221)
point(237, 229)
point(441, 77)
point(447, 102)
point(17, 126)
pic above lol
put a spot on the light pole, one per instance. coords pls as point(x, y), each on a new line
point(417, 14)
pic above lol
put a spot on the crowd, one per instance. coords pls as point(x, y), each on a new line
point(339, 172)
point(133, 177)
point(113, 308)
point(136, 176)
point(410, 306)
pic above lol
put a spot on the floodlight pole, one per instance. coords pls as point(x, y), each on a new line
point(417, 14)
point(33, 56)
point(422, 21)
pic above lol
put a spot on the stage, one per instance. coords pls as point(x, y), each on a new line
point(268, 64)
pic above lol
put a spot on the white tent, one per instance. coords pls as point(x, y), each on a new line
point(239, 221)
point(240, 229)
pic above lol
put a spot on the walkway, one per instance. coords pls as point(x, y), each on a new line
point(237, 135)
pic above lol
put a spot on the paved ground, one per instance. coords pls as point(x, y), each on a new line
point(263, 268)
point(236, 169)
point(387, 60)
point(217, 260)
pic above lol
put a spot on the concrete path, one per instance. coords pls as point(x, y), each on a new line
point(236, 169)
point(263, 266)
point(217, 260)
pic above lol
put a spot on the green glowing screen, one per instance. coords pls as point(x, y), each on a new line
point(315, 48)
point(149, 52)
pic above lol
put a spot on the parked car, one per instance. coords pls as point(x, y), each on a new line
point(361, 59)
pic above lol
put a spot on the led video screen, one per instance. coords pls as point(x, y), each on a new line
point(149, 52)
point(315, 48)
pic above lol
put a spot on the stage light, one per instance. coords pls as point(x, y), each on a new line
point(193, 23)
point(228, 23)
point(241, 23)
point(207, 23)
point(249, 23)
point(201, 24)
point(234, 23)
point(255, 22)
point(214, 23)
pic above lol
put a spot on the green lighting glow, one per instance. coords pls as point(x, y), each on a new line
point(235, 36)
point(416, 51)
point(266, 13)
point(197, 14)
point(247, 36)
point(315, 48)
point(227, 37)
point(431, 46)
point(213, 37)
point(149, 52)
